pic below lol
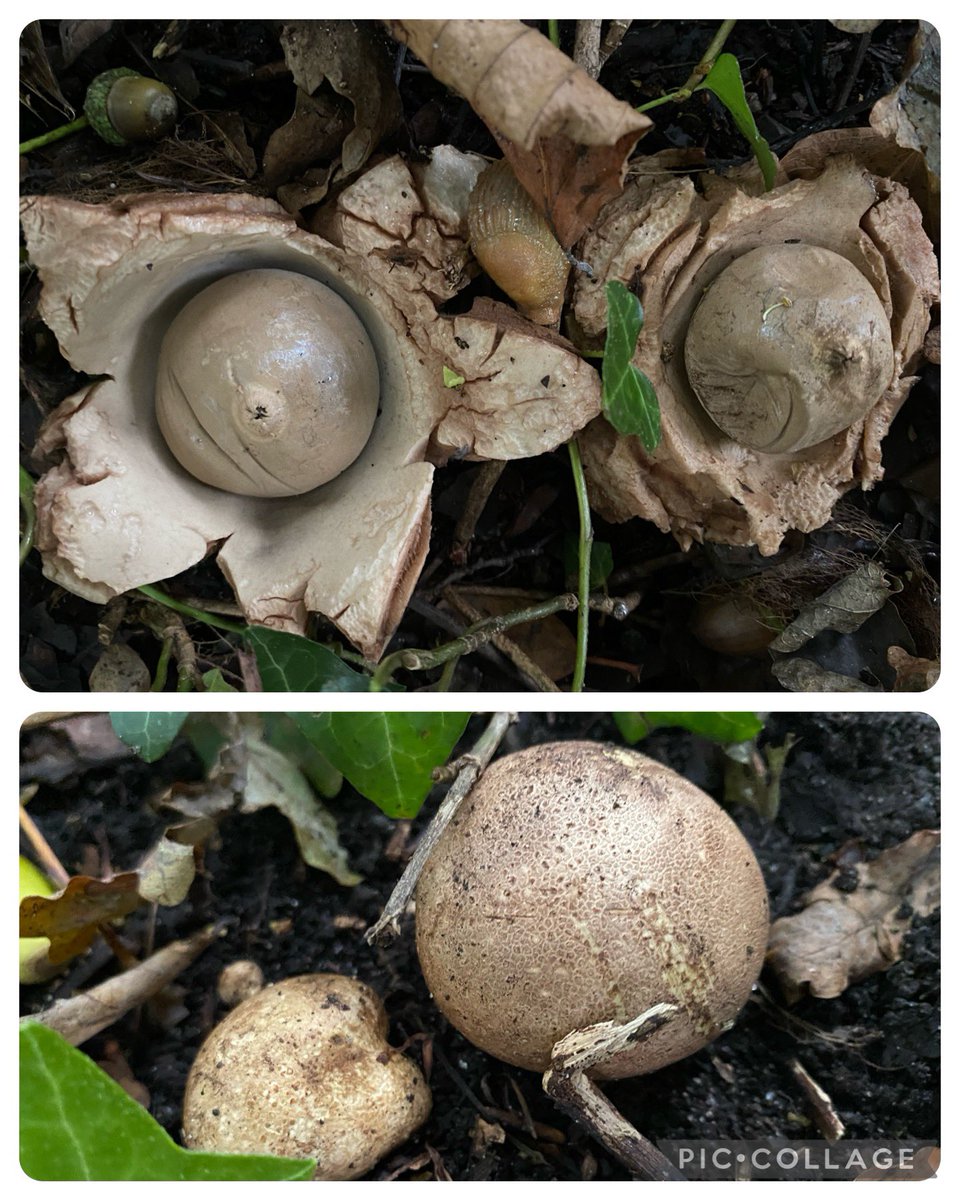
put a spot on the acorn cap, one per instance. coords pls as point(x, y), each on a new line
point(124, 106)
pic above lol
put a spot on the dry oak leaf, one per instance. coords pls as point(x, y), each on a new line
point(841, 937)
point(566, 138)
point(700, 484)
point(71, 918)
point(115, 510)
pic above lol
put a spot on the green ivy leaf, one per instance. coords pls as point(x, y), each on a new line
point(290, 663)
point(76, 1123)
point(148, 734)
point(628, 397)
point(213, 681)
point(726, 83)
point(388, 757)
point(282, 733)
point(601, 560)
point(719, 727)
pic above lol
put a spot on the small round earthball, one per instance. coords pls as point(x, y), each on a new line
point(581, 882)
point(238, 981)
point(303, 1069)
point(789, 345)
point(267, 384)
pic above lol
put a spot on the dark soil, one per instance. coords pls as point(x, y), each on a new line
point(856, 783)
point(801, 77)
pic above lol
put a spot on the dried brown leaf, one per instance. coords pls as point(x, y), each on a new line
point(119, 669)
point(841, 936)
point(356, 65)
point(843, 608)
point(913, 674)
point(804, 675)
point(566, 137)
point(313, 135)
point(910, 115)
point(71, 918)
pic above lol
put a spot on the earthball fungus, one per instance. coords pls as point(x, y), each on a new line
point(197, 317)
point(782, 332)
point(303, 1069)
point(580, 883)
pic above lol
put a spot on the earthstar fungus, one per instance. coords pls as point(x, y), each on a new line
point(829, 281)
point(116, 509)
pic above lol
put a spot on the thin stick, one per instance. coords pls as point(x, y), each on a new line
point(584, 554)
point(469, 768)
point(612, 39)
point(52, 865)
point(586, 46)
point(476, 636)
point(567, 1083)
point(484, 482)
point(80, 1017)
point(523, 662)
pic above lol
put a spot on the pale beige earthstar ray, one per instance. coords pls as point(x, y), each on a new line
point(116, 510)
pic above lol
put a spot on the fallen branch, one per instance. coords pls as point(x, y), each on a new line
point(569, 1085)
point(80, 1017)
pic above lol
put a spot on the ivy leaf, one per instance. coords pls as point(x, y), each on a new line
point(150, 735)
point(726, 83)
point(718, 727)
point(388, 757)
point(628, 397)
point(213, 681)
point(290, 663)
point(601, 560)
point(76, 1123)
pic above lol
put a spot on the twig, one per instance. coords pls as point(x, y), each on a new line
point(83, 1015)
point(567, 1083)
point(859, 55)
point(523, 662)
point(469, 768)
point(476, 636)
point(616, 31)
point(826, 1116)
point(52, 866)
point(484, 481)
point(584, 554)
point(586, 46)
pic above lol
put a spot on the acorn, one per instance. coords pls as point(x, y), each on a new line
point(123, 106)
point(515, 245)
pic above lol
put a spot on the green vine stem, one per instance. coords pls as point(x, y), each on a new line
point(583, 563)
point(699, 72)
point(188, 610)
point(29, 510)
point(553, 31)
point(54, 135)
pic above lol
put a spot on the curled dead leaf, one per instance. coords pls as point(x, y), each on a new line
point(565, 136)
point(71, 918)
point(843, 607)
point(841, 935)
